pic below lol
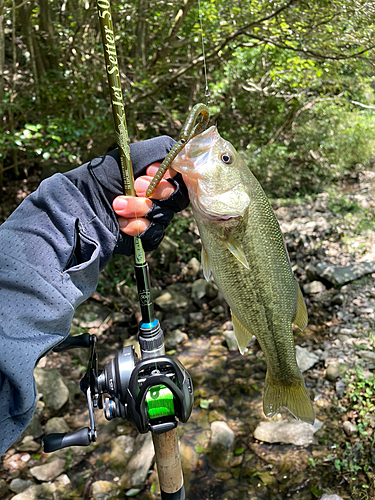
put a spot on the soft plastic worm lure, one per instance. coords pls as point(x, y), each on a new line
point(189, 130)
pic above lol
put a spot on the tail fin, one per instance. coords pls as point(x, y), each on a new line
point(293, 397)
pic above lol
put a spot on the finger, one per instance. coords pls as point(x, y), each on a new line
point(131, 207)
point(133, 227)
point(154, 167)
point(163, 191)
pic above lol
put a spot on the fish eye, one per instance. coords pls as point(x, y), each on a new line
point(226, 158)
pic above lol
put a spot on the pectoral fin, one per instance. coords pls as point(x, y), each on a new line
point(243, 336)
point(205, 264)
point(301, 318)
point(235, 248)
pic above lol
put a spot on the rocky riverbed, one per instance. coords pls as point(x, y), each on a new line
point(229, 449)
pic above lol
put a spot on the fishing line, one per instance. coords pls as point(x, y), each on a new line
point(206, 90)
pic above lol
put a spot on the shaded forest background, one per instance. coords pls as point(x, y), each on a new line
point(292, 82)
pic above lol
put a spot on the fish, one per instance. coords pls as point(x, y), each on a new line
point(244, 251)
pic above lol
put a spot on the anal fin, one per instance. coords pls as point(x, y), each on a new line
point(243, 336)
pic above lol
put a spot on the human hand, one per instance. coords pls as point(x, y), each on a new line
point(132, 210)
point(148, 218)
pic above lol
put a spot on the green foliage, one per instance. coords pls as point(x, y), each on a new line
point(118, 270)
point(283, 91)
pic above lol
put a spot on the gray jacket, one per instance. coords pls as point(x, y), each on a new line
point(52, 249)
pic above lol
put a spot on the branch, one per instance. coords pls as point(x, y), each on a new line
point(196, 60)
point(305, 51)
point(172, 34)
point(362, 105)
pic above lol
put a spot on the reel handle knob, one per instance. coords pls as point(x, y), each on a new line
point(83, 340)
point(57, 440)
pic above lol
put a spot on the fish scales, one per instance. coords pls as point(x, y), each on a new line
point(244, 250)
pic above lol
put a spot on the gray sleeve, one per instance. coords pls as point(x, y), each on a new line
point(52, 249)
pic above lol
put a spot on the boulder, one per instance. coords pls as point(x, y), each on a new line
point(305, 358)
point(122, 448)
point(139, 463)
point(102, 490)
point(222, 441)
point(298, 433)
point(49, 470)
point(56, 424)
point(339, 275)
point(51, 385)
point(314, 287)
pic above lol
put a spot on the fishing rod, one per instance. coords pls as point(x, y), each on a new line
point(151, 393)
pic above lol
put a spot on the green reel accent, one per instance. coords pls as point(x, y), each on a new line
point(159, 401)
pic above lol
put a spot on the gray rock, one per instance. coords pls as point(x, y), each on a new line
point(4, 490)
point(172, 339)
point(211, 290)
point(330, 497)
point(335, 370)
point(19, 485)
point(311, 272)
point(36, 492)
point(34, 428)
point(338, 299)
point(62, 482)
point(367, 355)
point(51, 385)
point(231, 340)
point(314, 287)
point(122, 448)
point(305, 358)
point(339, 275)
point(28, 444)
point(222, 441)
point(194, 266)
point(48, 471)
point(198, 290)
point(166, 252)
point(101, 490)
point(174, 321)
point(298, 433)
point(172, 300)
point(349, 428)
point(196, 316)
point(56, 424)
point(140, 462)
point(218, 309)
point(340, 388)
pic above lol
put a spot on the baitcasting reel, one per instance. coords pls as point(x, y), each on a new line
point(151, 394)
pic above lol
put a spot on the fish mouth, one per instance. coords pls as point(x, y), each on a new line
point(195, 153)
point(227, 218)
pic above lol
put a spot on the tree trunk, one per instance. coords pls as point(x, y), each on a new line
point(2, 50)
point(47, 39)
point(37, 67)
point(140, 49)
point(13, 85)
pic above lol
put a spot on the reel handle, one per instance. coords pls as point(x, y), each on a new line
point(83, 340)
point(57, 440)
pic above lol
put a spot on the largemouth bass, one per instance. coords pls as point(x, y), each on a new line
point(244, 250)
